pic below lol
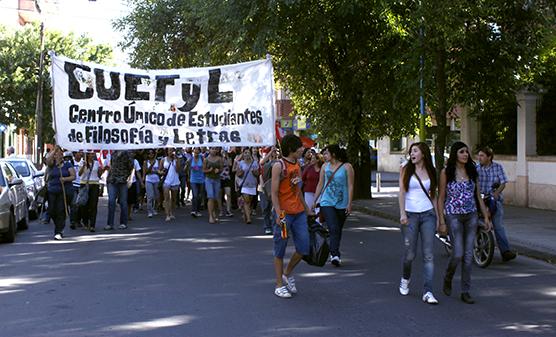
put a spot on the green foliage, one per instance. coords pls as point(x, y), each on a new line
point(340, 60)
point(546, 115)
point(19, 72)
point(477, 53)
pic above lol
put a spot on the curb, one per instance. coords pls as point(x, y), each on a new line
point(521, 247)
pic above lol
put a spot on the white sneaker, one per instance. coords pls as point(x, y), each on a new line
point(155, 213)
point(335, 260)
point(404, 287)
point(282, 292)
point(168, 218)
point(150, 215)
point(58, 237)
point(290, 283)
point(429, 298)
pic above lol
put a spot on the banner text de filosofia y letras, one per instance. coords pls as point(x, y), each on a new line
point(105, 107)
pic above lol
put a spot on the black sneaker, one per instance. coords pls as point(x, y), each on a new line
point(465, 297)
point(508, 256)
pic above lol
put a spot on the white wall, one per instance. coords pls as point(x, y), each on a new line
point(388, 162)
point(8, 13)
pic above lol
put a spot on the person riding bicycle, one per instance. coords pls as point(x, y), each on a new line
point(492, 181)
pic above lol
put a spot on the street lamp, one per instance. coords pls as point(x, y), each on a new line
point(38, 107)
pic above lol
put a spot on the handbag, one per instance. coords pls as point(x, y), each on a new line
point(319, 247)
point(321, 215)
point(83, 195)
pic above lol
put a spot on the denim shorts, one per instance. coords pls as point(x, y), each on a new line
point(212, 186)
point(297, 229)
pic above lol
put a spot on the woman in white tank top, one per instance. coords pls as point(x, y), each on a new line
point(418, 218)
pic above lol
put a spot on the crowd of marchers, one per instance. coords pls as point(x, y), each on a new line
point(290, 184)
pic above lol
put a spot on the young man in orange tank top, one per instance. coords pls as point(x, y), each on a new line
point(287, 198)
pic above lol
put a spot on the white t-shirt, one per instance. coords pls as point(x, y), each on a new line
point(172, 178)
point(416, 200)
point(94, 178)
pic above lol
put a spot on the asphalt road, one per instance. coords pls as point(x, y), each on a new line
point(190, 278)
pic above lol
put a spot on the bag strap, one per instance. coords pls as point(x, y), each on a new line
point(90, 171)
point(424, 189)
point(245, 178)
point(168, 171)
point(330, 180)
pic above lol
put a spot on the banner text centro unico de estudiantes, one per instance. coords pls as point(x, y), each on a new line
point(101, 107)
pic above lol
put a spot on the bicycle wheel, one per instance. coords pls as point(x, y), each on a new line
point(483, 250)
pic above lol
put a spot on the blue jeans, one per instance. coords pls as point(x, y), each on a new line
point(197, 189)
point(463, 229)
point(152, 195)
point(297, 229)
point(499, 231)
point(212, 186)
point(266, 206)
point(334, 219)
point(423, 224)
point(117, 191)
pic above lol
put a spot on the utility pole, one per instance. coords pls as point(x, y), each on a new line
point(39, 103)
point(422, 133)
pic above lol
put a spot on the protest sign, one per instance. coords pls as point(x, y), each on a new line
point(102, 107)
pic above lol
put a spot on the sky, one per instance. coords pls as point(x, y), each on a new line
point(91, 17)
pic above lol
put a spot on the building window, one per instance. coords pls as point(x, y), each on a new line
point(396, 145)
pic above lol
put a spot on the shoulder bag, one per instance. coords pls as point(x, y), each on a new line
point(83, 194)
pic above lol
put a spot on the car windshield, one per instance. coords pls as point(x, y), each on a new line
point(21, 167)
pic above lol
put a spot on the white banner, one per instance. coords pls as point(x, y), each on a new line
point(101, 107)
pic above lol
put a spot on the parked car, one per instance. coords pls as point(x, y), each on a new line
point(14, 211)
point(33, 180)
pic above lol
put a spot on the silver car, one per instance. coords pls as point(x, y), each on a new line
point(33, 180)
point(14, 212)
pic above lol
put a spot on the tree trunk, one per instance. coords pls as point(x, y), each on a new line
point(360, 158)
point(442, 108)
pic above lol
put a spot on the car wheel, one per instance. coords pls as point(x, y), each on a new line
point(10, 234)
point(24, 223)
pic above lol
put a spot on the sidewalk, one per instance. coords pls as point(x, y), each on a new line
point(531, 232)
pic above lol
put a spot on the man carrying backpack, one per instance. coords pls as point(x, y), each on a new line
point(290, 213)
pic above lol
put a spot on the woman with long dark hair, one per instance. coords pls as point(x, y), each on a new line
point(458, 197)
point(417, 201)
point(336, 186)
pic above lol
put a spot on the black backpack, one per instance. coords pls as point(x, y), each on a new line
point(319, 247)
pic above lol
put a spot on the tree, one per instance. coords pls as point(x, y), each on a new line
point(19, 55)
point(340, 59)
point(476, 52)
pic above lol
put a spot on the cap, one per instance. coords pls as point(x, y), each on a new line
point(68, 154)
